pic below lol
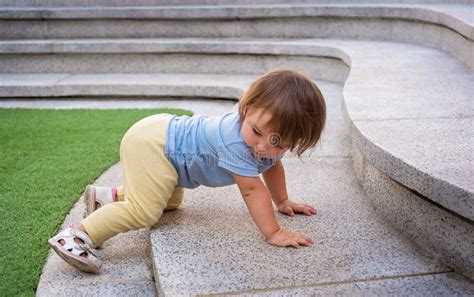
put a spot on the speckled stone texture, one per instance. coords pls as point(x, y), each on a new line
point(418, 130)
point(445, 284)
point(432, 228)
point(440, 150)
point(210, 245)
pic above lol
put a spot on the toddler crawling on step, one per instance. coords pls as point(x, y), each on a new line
point(163, 154)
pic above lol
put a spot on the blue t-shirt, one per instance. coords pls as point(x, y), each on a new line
point(206, 150)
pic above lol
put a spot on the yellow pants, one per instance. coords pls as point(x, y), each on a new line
point(149, 183)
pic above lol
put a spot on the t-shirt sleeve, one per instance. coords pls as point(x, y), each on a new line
point(238, 159)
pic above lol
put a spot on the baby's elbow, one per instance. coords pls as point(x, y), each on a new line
point(248, 186)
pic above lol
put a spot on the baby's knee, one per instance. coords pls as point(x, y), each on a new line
point(172, 206)
point(176, 199)
point(145, 218)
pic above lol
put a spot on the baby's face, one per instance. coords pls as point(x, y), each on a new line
point(262, 143)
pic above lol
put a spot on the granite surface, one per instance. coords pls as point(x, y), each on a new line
point(417, 130)
point(210, 245)
point(445, 284)
point(437, 157)
point(433, 229)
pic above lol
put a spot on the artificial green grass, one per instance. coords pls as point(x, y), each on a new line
point(47, 158)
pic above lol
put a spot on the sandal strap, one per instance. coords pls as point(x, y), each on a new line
point(82, 235)
point(86, 248)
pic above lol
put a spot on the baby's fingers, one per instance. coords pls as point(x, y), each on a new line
point(294, 244)
point(304, 240)
point(306, 209)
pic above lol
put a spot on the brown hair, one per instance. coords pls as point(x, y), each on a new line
point(295, 102)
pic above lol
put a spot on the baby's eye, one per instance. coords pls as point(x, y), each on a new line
point(282, 147)
point(255, 131)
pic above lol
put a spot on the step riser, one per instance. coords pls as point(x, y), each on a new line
point(431, 227)
point(129, 91)
point(115, 3)
point(317, 68)
point(283, 27)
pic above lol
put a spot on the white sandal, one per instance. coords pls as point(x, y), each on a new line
point(100, 195)
point(79, 255)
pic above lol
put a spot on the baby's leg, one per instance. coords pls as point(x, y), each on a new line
point(119, 217)
point(149, 182)
point(173, 203)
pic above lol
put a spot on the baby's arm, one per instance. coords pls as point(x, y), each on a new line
point(259, 202)
point(275, 180)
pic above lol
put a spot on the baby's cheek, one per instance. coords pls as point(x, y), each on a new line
point(276, 152)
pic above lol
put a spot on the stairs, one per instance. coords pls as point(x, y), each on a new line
point(391, 178)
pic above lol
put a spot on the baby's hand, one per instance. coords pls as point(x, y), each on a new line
point(284, 237)
point(289, 207)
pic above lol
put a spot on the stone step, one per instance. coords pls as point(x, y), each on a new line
point(428, 24)
point(188, 56)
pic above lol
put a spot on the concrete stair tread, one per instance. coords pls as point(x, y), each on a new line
point(210, 245)
point(446, 284)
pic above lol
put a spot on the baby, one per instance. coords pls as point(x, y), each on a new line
point(162, 154)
